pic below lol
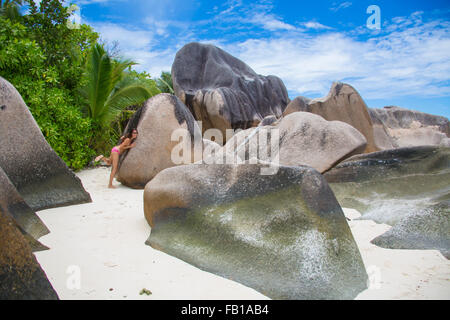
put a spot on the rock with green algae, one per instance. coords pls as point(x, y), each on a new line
point(424, 229)
point(407, 188)
point(284, 234)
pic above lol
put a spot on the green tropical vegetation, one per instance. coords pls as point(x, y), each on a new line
point(80, 94)
point(11, 9)
point(165, 83)
point(110, 88)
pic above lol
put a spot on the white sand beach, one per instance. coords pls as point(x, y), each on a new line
point(105, 241)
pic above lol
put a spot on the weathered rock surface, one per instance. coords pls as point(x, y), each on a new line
point(12, 204)
point(304, 139)
point(424, 229)
point(213, 153)
point(39, 175)
point(268, 121)
point(343, 103)
point(398, 127)
point(284, 234)
point(21, 277)
point(399, 187)
point(158, 119)
point(222, 91)
point(383, 140)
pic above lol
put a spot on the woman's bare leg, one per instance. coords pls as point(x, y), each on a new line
point(115, 162)
point(104, 159)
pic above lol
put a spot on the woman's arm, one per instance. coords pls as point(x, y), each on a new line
point(130, 146)
point(127, 144)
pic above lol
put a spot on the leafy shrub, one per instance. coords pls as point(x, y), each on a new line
point(23, 63)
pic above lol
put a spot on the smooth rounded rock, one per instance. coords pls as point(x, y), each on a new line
point(283, 234)
point(343, 103)
point(163, 123)
point(300, 138)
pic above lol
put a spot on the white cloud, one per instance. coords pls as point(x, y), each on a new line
point(257, 13)
point(128, 37)
point(336, 7)
point(407, 57)
point(270, 22)
point(136, 44)
point(315, 25)
point(411, 61)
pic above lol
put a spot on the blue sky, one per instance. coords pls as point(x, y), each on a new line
point(308, 44)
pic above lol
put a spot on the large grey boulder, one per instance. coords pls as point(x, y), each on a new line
point(21, 277)
point(222, 91)
point(343, 103)
point(304, 139)
point(156, 122)
point(407, 188)
point(284, 234)
point(398, 127)
point(39, 175)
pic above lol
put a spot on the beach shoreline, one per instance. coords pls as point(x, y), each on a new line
point(98, 251)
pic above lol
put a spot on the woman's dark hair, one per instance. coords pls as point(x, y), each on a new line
point(130, 134)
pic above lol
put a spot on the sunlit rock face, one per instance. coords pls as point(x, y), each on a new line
point(222, 91)
point(39, 175)
point(157, 121)
point(343, 103)
point(303, 139)
point(282, 234)
point(396, 127)
point(403, 188)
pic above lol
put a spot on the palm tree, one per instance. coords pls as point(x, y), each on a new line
point(11, 9)
point(164, 82)
point(110, 89)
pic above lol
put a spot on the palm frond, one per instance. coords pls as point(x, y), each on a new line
point(99, 81)
point(133, 94)
point(117, 74)
point(11, 10)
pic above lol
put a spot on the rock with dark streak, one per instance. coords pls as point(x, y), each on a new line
point(39, 175)
point(161, 116)
point(222, 91)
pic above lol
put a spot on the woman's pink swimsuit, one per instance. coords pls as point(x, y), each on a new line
point(115, 149)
